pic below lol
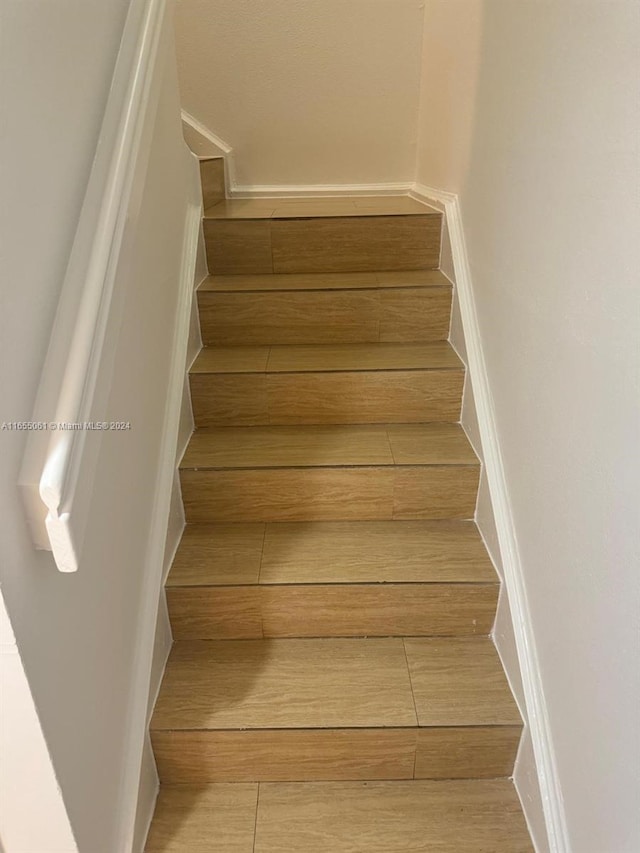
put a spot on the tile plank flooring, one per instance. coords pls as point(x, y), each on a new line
point(341, 817)
point(331, 552)
point(294, 208)
point(333, 687)
point(334, 683)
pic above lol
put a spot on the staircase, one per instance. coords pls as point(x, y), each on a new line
point(332, 687)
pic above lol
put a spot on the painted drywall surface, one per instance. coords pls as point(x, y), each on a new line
point(28, 785)
point(530, 113)
point(305, 91)
point(503, 634)
point(52, 116)
point(78, 634)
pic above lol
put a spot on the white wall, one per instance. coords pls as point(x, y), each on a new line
point(305, 91)
point(530, 112)
point(80, 636)
point(28, 784)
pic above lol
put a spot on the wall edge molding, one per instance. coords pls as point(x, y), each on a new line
point(223, 148)
point(538, 719)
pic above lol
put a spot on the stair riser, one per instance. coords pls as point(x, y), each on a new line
point(304, 317)
point(331, 494)
point(331, 610)
point(323, 244)
point(365, 397)
point(335, 754)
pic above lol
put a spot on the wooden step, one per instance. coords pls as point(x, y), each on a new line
point(396, 279)
point(326, 473)
point(321, 235)
point(329, 579)
point(327, 384)
point(303, 709)
point(325, 308)
point(453, 816)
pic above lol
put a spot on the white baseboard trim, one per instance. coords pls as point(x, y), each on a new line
point(149, 662)
point(147, 795)
point(538, 720)
point(204, 143)
point(318, 190)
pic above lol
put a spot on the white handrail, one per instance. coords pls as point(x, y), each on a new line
point(55, 457)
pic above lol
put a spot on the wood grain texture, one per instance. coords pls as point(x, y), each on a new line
point(437, 355)
point(237, 246)
point(379, 610)
point(325, 316)
point(453, 816)
point(446, 492)
point(459, 682)
point(331, 610)
point(374, 551)
point(285, 754)
point(343, 444)
point(190, 819)
point(331, 494)
point(325, 281)
point(287, 208)
point(330, 600)
point(437, 752)
point(291, 317)
point(328, 683)
point(212, 180)
point(231, 447)
point(363, 397)
point(391, 817)
point(307, 358)
point(331, 552)
point(430, 443)
point(392, 204)
point(231, 359)
point(466, 752)
point(215, 612)
point(218, 553)
point(224, 399)
point(356, 244)
point(334, 683)
point(412, 314)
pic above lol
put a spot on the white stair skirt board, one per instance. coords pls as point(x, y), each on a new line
point(503, 549)
point(168, 513)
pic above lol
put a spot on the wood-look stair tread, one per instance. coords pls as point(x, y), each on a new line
point(452, 816)
point(340, 552)
point(329, 446)
point(324, 281)
point(303, 208)
point(437, 355)
point(333, 683)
